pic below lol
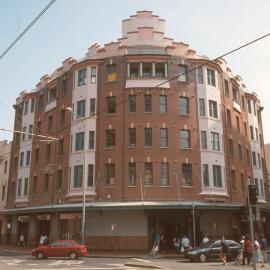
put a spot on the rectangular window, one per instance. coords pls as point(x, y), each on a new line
point(64, 87)
point(162, 104)
point(50, 122)
point(254, 161)
point(61, 147)
point(90, 178)
point(48, 151)
point(236, 97)
point(249, 106)
point(259, 160)
point(215, 141)
point(3, 192)
point(251, 132)
point(91, 139)
point(233, 179)
point(28, 157)
point(25, 189)
point(231, 148)
point(133, 70)
point(228, 117)
point(245, 128)
point(247, 156)
point(160, 70)
point(37, 155)
point(79, 141)
point(22, 159)
point(211, 80)
point(256, 133)
point(187, 174)
point(81, 108)
point(34, 188)
point(163, 137)
point(33, 101)
point(78, 176)
point(205, 175)
point(243, 103)
point(132, 103)
point(238, 124)
point(164, 174)
point(26, 104)
point(185, 140)
point(46, 183)
point(111, 105)
point(183, 105)
point(148, 137)
point(240, 151)
point(93, 75)
point(110, 174)
point(243, 185)
point(202, 106)
point(254, 108)
point(217, 176)
point(111, 73)
point(19, 188)
point(82, 77)
point(226, 88)
point(147, 103)
point(59, 179)
point(147, 70)
point(200, 75)
point(24, 133)
point(182, 73)
point(132, 174)
point(148, 173)
point(262, 188)
point(5, 169)
point(92, 106)
point(132, 137)
point(203, 139)
point(30, 132)
point(110, 138)
point(213, 112)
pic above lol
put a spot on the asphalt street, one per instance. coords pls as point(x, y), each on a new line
point(26, 262)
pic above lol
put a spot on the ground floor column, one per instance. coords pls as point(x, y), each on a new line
point(14, 229)
point(32, 233)
point(54, 230)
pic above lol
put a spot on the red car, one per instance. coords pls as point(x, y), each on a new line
point(61, 248)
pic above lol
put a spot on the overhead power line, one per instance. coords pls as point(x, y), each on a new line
point(26, 29)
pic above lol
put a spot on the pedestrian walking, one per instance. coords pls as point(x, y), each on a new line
point(247, 248)
point(263, 245)
point(205, 239)
point(155, 249)
point(258, 256)
point(176, 243)
point(224, 250)
point(185, 243)
point(21, 241)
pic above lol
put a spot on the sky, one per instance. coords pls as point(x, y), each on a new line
point(69, 27)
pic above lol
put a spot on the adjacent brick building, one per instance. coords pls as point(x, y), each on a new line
point(167, 142)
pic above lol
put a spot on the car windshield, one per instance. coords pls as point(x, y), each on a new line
point(206, 245)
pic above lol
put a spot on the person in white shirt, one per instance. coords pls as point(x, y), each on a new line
point(185, 242)
point(205, 239)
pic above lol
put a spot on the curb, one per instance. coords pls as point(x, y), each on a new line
point(142, 266)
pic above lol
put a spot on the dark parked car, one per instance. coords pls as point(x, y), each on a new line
point(61, 248)
point(211, 251)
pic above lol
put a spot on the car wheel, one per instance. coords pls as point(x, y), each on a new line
point(40, 255)
point(73, 255)
point(202, 258)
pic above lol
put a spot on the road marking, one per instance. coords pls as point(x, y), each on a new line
point(141, 260)
point(77, 268)
point(32, 264)
point(12, 262)
point(66, 262)
point(115, 264)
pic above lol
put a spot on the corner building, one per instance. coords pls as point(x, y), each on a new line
point(164, 141)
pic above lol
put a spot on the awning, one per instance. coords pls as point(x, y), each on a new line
point(106, 206)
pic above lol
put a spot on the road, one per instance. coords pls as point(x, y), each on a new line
point(26, 262)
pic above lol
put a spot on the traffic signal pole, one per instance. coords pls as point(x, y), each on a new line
point(252, 235)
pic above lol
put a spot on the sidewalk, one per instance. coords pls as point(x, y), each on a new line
point(12, 249)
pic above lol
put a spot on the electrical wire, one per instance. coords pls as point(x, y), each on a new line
point(27, 28)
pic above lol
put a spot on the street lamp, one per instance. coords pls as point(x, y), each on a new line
point(84, 179)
